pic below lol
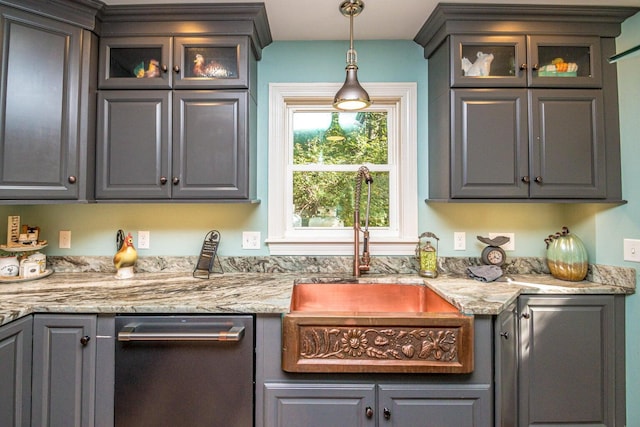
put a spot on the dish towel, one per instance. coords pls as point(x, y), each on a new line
point(484, 273)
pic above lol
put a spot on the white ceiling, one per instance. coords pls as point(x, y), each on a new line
point(379, 20)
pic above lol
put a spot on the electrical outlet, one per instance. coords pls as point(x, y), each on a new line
point(459, 240)
point(250, 240)
point(632, 250)
point(64, 239)
point(143, 239)
point(510, 245)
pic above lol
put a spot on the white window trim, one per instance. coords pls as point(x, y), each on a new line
point(283, 242)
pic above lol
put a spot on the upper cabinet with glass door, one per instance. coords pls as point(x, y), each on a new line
point(211, 62)
point(488, 61)
point(525, 61)
point(135, 62)
point(564, 61)
point(174, 62)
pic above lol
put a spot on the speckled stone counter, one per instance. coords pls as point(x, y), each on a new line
point(240, 292)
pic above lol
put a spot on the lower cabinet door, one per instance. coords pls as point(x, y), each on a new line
point(319, 405)
point(64, 356)
point(569, 353)
point(435, 405)
point(15, 373)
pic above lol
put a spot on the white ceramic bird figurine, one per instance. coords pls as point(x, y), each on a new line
point(125, 258)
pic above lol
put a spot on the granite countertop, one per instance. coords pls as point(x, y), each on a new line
point(179, 292)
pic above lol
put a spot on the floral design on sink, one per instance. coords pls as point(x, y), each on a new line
point(371, 327)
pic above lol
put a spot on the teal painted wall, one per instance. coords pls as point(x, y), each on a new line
point(179, 229)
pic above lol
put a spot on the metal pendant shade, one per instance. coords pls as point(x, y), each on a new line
point(351, 95)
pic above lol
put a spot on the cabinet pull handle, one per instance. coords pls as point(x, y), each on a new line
point(535, 67)
point(175, 180)
point(72, 179)
point(526, 315)
point(164, 68)
point(387, 413)
point(85, 340)
point(505, 335)
point(538, 179)
point(523, 67)
point(163, 180)
point(176, 68)
point(526, 179)
point(368, 412)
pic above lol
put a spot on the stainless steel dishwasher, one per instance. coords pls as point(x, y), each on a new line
point(184, 371)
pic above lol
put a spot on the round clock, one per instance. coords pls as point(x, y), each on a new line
point(493, 255)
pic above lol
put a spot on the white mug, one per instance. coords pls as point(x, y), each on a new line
point(9, 266)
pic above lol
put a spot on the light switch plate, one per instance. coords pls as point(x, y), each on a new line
point(632, 250)
point(459, 240)
point(64, 239)
point(144, 239)
point(250, 240)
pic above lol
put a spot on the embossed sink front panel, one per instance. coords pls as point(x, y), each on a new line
point(375, 328)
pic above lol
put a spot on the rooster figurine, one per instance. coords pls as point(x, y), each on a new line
point(125, 259)
point(212, 69)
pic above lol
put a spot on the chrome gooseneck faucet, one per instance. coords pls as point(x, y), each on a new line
point(361, 265)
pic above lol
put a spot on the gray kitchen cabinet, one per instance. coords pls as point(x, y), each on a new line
point(448, 405)
point(46, 134)
point(519, 112)
point(64, 370)
point(571, 361)
point(162, 62)
point(398, 400)
point(319, 405)
point(196, 140)
point(132, 147)
point(399, 405)
point(494, 152)
point(15, 373)
point(207, 157)
point(211, 149)
point(506, 367)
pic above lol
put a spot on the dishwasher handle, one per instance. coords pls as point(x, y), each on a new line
point(128, 333)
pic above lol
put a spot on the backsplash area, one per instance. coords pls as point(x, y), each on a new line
point(342, 265)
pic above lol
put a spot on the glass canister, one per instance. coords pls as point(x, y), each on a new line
point(427, 255)
point(566, 256)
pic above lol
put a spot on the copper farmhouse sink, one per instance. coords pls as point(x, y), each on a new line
point(374, 327)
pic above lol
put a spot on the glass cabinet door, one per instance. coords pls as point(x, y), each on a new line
point(211, 62)
point(564, 61)
point(135, 62)
point(488, 61)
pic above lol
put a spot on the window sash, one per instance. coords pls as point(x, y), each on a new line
point(398, 101)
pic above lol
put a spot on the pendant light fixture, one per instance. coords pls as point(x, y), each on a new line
point(334, 132)
point(351, 95)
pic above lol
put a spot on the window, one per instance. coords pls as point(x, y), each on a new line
point(312, 179)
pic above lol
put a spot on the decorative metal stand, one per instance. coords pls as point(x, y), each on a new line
point(208, 256)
